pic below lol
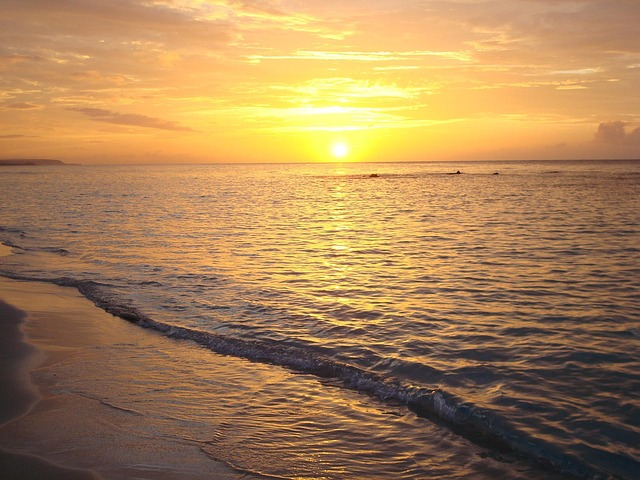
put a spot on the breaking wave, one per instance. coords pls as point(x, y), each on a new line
point(480, 425)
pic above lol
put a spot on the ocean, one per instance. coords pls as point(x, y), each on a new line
point(393, 320)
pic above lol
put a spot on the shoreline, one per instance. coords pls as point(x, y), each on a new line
point(5, 250)
point(20, 395)
point(48, 430)
point(16, 357)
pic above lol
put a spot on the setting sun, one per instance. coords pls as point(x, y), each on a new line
point(340, 150)
point(274, 80)
point(371, 236)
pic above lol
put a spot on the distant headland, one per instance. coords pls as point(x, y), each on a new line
point(29, 161)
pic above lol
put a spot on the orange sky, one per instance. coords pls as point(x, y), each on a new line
point(112, 81)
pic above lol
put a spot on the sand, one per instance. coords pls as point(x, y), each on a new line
point(5, 250)
point(47, 431)
point(19, 395)
point(16, 357)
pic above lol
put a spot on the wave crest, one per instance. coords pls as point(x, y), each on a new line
point(480, 425)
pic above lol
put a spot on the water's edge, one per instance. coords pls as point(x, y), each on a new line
point(479, 425)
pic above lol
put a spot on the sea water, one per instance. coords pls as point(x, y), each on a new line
point(421, 323)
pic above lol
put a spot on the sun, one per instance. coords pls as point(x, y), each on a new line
point(339, 150)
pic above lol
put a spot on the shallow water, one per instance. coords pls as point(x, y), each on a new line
point(503, 307)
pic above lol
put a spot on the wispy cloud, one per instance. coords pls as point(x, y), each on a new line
point(23, 106)
point(342, 89)
point(329, 118)
point(12, 137)
point(122, 20)
point(378, 56)
point(130, 119)
point(237, 68)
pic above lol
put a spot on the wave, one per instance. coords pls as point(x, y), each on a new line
point(480, 425)
point(4, 229)
point(56, 250)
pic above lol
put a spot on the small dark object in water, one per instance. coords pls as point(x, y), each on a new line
point(496, 173)
point(456, 173)
point(374, 175)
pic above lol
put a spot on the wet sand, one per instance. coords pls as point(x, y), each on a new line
point(49, 431)
point(16, 356)
point(4, 250)
point(19, 395)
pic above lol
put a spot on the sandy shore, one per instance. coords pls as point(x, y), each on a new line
point(19, 395)
point(16, 358)
point(4, 250)
point(48, 430)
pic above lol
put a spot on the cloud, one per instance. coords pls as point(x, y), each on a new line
point(257, 6)
point(362, 56)
point(615, 133)
point(23, 106)
point(6, 137)
point(119, 20)
point(237, 67)
point(131, 119)
point(14, 59)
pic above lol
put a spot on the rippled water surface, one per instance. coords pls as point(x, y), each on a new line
point(505, 306)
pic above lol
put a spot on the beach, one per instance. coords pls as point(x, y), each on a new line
point(51, 432)
point(87, 395)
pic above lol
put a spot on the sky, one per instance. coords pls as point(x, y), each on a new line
point(189, 81)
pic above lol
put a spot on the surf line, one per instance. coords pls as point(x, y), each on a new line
point(480, 426)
